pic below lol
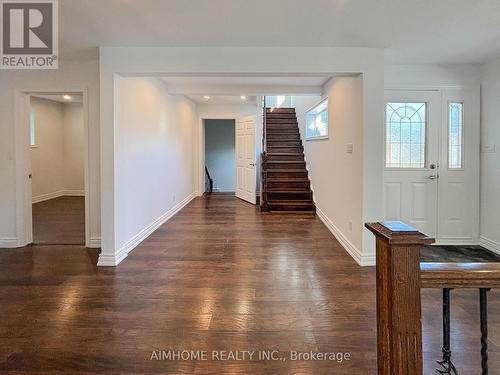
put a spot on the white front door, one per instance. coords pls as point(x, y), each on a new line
point(246, 160)
point(429, 178)
point(413, 120)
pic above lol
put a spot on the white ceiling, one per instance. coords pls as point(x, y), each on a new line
point(75, 98)
point(413, 31)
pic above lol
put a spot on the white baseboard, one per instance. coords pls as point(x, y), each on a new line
point(46, 197)
point(73, 193)
point(354, 252)
point(94, 243)
point(111, 260)
point(57, 194)
point(8, 243)
point(107, 260)
point(490, 244)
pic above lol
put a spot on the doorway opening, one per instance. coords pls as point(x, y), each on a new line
point(220, 156)
point(57, 168)
point(28, 141)
point(241, 167)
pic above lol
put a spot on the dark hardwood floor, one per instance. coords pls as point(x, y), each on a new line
point(59, 221)
point(218, 276)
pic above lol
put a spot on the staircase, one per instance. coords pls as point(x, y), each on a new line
point(286, 185)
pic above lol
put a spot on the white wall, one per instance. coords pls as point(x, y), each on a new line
point(430, 76)
point(74, 155)
point(57, 160)
point(47, 157)
point(302, 104)
point(490, 160)
point(220, 157)
point(155, 148)
point(71, 76)
point(337, 176)
point(235, 111)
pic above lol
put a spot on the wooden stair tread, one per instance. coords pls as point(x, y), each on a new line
point(279, 190)
point(305, 202)
point(288, 188)
point(277, 146)
point(287, 179)
point(288, 170)
point(281, 153)
point(284, 153)
point(285, 161)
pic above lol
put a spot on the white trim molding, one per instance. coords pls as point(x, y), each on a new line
point(107, 260)
point(73, 193)
point(57, 194)
point(9, 243)
point(354, 252)
point(112, 260)
point(46, 197)
point(455, 242)
point(94, 243)
point(490, 244)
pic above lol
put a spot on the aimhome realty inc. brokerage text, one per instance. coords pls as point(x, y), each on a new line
point(248, 355)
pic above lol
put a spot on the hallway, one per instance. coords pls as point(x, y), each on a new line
point(217, 276)
point(59, 221)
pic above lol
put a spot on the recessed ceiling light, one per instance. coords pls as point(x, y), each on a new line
point(206, 97)
point(67, 97)
point(243, 97)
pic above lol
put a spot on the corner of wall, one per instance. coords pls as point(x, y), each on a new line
point(358, 255)
point(372, 154)
point(489, 244)
point(110, 260)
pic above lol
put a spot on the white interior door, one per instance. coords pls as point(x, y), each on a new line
point(246, 160)
point(413, 121)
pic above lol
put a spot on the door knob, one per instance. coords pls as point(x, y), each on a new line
point(433, 177)
point(252, 164)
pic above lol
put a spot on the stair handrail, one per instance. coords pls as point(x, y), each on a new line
point(264, 130)
point(460, 275)
point(263, 160)
point(210, 180)
point(264, 205)
point(449, 276)
point(400, 277)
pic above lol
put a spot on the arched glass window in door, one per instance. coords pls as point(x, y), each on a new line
point(406, 135)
